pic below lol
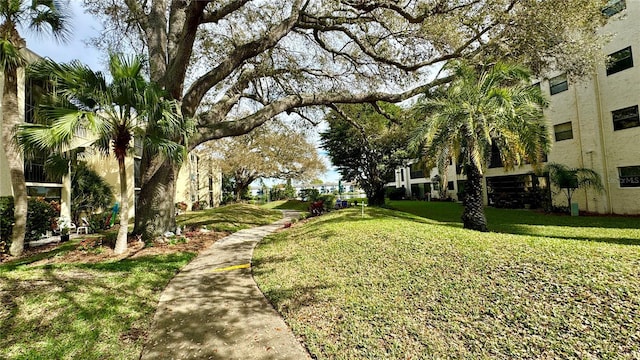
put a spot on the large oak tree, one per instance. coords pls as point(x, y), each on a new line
point(235, 64)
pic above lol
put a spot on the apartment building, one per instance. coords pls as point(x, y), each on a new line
point(199, 182)
point(595, 123)
point(40, 184)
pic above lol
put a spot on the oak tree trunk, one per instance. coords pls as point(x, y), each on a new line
point(155, 213)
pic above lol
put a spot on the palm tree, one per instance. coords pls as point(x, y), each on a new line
point(571, 179)
point(482, 107)
point(41, 16)
point(114, 112)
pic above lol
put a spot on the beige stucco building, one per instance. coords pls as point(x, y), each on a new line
point(199, 183)
point(195, 182)
point(595, 124)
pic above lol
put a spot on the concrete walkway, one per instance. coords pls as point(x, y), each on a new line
point(213, 308)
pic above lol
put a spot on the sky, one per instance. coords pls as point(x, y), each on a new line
point(84, 26)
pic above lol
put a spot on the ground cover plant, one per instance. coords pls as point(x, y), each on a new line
point(80, 301)
point(396, 285)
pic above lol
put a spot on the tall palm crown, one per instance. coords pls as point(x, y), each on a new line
point(39, 16)
point(42, 16)
point(114, 112)
point(484, 107)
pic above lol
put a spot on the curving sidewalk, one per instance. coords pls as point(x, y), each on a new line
point(213, 308)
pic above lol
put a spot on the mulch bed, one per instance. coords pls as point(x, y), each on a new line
point(92, 250)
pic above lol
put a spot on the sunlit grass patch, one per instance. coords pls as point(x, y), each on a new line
point(81, 308)
point(393, 285)
point(82, 311)
point(229, 218)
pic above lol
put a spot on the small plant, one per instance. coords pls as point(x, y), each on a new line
point(181, 206)
point(175, 240)
point(64, 224)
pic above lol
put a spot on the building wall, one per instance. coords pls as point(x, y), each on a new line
point(588, 105)
point(199, 180)
point(107, 168)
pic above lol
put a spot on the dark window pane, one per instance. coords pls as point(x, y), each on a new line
point(620, 60)
point(558, 84)
point(613, 7)
point(495, 160)
point(629, 176)
point(563, 131)
point(625, 118)
point(416, 172)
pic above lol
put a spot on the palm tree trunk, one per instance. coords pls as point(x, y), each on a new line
point(10, 119)
point(121, 240)
point(473, 215)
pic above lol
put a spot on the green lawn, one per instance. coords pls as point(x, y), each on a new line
point(231, 218)
point(396, 285)
point(80, 310)
point(302, 206)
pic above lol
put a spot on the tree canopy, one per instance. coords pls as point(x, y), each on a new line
point(367, 145)
point(570, 179)
point(275, 150)
point(113, 112)
point(235, 64)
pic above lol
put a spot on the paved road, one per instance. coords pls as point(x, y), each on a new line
point(213, 308)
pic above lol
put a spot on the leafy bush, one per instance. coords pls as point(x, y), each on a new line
point(99, 222)
point(329, 201)
point(41, 217)
point(309, 194)
point(90, 191)
point(199, 205)
point(182, 206)
point(6, 221)
point(396, 193)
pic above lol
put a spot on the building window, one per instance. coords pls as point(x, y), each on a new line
point(137, 172)
point(402, 175)
point(558, 84)
point(613, 7)
point(563, 131)
point(626, 118)
point(629, 176)
point(450, 186)
point(620, 60)
point(416, 172)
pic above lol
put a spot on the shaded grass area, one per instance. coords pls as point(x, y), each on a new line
point(613, 229)
point(82, 311)
point(395, 285)
point(230, 218)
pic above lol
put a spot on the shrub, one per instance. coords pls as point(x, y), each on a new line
point(41, 217)
point(182, 206)
point(6, 221)
point(329, 201)
point(99, 221)
point(309, 194)
point(396, 193)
